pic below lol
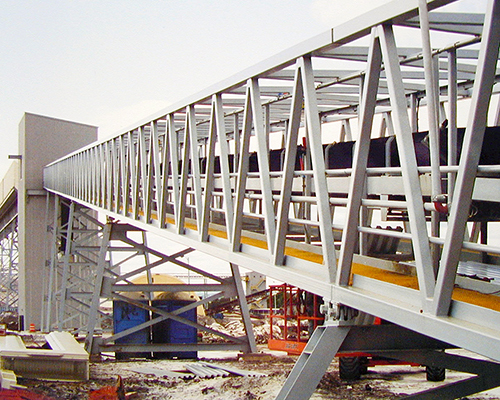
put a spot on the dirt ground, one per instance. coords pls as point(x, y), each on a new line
point(380, 383)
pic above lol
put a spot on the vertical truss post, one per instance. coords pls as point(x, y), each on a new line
point(452, 119)
point(411, 182)
point(288, 168)
point(149, 175)
point(108, 176)
point(96, 296)
point(242, 174)
point(237, 139)
point(345, 131)
point(431, 89)
point(307, 189)
point(138, 190)
point(386, 126)
point(142, 175)
point(432, 99)
point(182, 200)
point(195, 165)
point(267, 124)
point(115, 165)
point(84, 164)
point(162, 189)
point(469, 161)
point(156, 164)
point(132, 196)
point(173, 145)
point(100, 170)
point(360, 161)
point(497, 113)
point(313, 132)
point(209, 175)
point(66, 266)
point(53, 263)
point(263, 159)
point(414, 112)
point(95, 176)
point(224, 164)
point(124, 177)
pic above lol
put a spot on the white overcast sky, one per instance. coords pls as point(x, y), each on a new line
point(110, 63)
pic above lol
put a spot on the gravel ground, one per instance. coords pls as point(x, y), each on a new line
point(380, 383)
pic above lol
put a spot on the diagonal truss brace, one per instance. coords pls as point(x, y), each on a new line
point(88, 276)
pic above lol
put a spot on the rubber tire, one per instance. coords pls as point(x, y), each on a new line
point(435, 374)
point(364, 365)
point(350, 368)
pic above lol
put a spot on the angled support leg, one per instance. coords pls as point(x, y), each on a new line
point(245, 313)
point(313, 362)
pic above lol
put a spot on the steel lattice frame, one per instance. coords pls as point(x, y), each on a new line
point(85, 272)
point(151, 175)
point(75, 240)
point(9, 273)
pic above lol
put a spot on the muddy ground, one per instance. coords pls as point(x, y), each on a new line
point(380, 383)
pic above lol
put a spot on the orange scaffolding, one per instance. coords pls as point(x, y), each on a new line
point(297, 314)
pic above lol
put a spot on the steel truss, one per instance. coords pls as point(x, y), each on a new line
point(91, 265)
point(9, 273)
point(188, 173)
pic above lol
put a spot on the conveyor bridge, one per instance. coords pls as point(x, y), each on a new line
point(248, 171)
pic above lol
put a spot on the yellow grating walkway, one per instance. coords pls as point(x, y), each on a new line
point(490, 301)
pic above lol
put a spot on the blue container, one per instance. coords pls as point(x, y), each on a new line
point(127, 316)
point(174, 332)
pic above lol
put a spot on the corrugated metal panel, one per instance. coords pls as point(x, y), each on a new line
point(233, 370)
point(480, 270)
point(162, 373)
point(206, 372)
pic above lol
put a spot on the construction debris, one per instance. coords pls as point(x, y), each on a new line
point(201, 370)
point(66, 360)
point(234, 371)
point(11, 319)
point(8, 380)
point(255, 357)
point(22, 394)
point(232, 325)
point(116, 392)
point(162, 373)
point(205, 372)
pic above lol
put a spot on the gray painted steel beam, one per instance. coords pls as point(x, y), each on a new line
point(246, 218)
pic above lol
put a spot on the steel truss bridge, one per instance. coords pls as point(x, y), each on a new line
point(246, 171)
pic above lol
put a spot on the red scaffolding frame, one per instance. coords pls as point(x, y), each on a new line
point(296, 312)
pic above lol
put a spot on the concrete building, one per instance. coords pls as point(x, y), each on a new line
point(41, 141)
